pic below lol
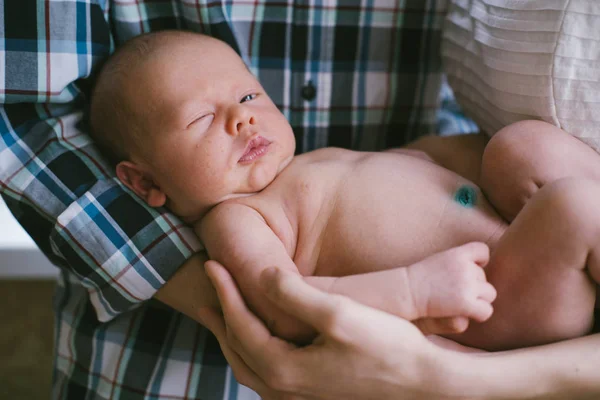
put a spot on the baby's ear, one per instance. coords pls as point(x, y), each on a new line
point(140, 181)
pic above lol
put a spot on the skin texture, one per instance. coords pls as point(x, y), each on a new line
point(352, 344)
point(220, 155)
point(566, 370)
point(219, 170)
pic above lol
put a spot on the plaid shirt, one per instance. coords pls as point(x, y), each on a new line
point(349, 73)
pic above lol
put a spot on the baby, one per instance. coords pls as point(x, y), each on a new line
point(190, 128)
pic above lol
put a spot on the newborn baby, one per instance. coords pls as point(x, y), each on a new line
point(190, 128)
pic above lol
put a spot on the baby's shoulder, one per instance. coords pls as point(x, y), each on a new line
point(234, 208)
point(321, 161)
point(330, 154)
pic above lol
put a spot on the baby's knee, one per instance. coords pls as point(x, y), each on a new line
point(525, 135)
point(516, 161)
point(522, 141)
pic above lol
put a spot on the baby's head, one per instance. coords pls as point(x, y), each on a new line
point(186, 123)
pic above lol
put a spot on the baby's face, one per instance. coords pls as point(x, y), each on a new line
point(213, 133)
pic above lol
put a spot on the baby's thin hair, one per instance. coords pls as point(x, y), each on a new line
point(112, 120)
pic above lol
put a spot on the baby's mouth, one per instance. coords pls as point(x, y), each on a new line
point(256, 148)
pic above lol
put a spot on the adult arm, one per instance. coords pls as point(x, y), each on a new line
point(388, 355)
point(51, 175)
point(189, 290)
point(459, 153)
point(562, 371)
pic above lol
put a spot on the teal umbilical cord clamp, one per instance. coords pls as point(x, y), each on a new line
point(466, 196)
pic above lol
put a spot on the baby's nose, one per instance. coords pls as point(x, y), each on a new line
point(244, 125)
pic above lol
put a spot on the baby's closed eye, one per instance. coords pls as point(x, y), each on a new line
point(203, 120)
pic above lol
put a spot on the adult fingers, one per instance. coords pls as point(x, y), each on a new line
point(266, 355)
point(442, 326)
point(243, 374)
point(237, 316)
point(294, 296)
point(213, 321)
point(216, 324)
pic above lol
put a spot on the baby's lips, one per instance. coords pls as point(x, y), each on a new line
point(255, 142)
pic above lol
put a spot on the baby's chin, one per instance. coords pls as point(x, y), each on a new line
point(256, 186)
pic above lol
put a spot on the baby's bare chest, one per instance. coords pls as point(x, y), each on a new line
point(386, 211)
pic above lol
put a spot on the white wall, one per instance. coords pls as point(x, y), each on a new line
point(19, 256)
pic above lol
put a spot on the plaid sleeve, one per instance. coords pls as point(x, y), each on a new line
point(52, 177)
point(451, 119)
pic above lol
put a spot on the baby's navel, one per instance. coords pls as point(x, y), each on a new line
point(466, 196)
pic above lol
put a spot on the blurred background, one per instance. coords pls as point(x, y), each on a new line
point(26, 328)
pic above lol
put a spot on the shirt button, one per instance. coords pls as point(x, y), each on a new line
point(309, 91)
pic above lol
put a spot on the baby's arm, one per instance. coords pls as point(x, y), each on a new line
point(238, 237)
point(447, 284)
point(439, 293)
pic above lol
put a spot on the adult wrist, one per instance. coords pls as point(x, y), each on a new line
point(438, 373)
point(189, 291)
point(496, 376)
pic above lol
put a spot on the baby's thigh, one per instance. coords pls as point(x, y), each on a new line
point(541, 269)
point(523, 157)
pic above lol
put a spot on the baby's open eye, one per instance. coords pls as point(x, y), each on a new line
point(248, 97)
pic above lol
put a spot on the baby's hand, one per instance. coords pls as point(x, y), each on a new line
point(452, 285)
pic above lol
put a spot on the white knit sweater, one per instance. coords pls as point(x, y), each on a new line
point(509, 60)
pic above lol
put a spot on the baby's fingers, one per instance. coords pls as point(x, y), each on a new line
point(487, 293)
point(479, 252)
point(442, 326)
point(481, 311)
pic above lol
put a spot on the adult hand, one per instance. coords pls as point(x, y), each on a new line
point(360, 353)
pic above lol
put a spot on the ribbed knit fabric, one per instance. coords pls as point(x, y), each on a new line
point(509, 60)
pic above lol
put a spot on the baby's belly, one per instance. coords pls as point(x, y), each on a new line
point(411, 211)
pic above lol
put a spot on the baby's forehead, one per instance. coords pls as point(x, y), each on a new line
point(172, 65)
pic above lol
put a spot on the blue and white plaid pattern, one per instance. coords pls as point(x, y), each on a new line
point(375, 69)
point(450, 118)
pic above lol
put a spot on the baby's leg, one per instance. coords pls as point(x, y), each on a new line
point(541, 269)
point(523, 157)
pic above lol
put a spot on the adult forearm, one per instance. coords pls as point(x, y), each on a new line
point(461, 153)
point(568, 370)
point(190, 291)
